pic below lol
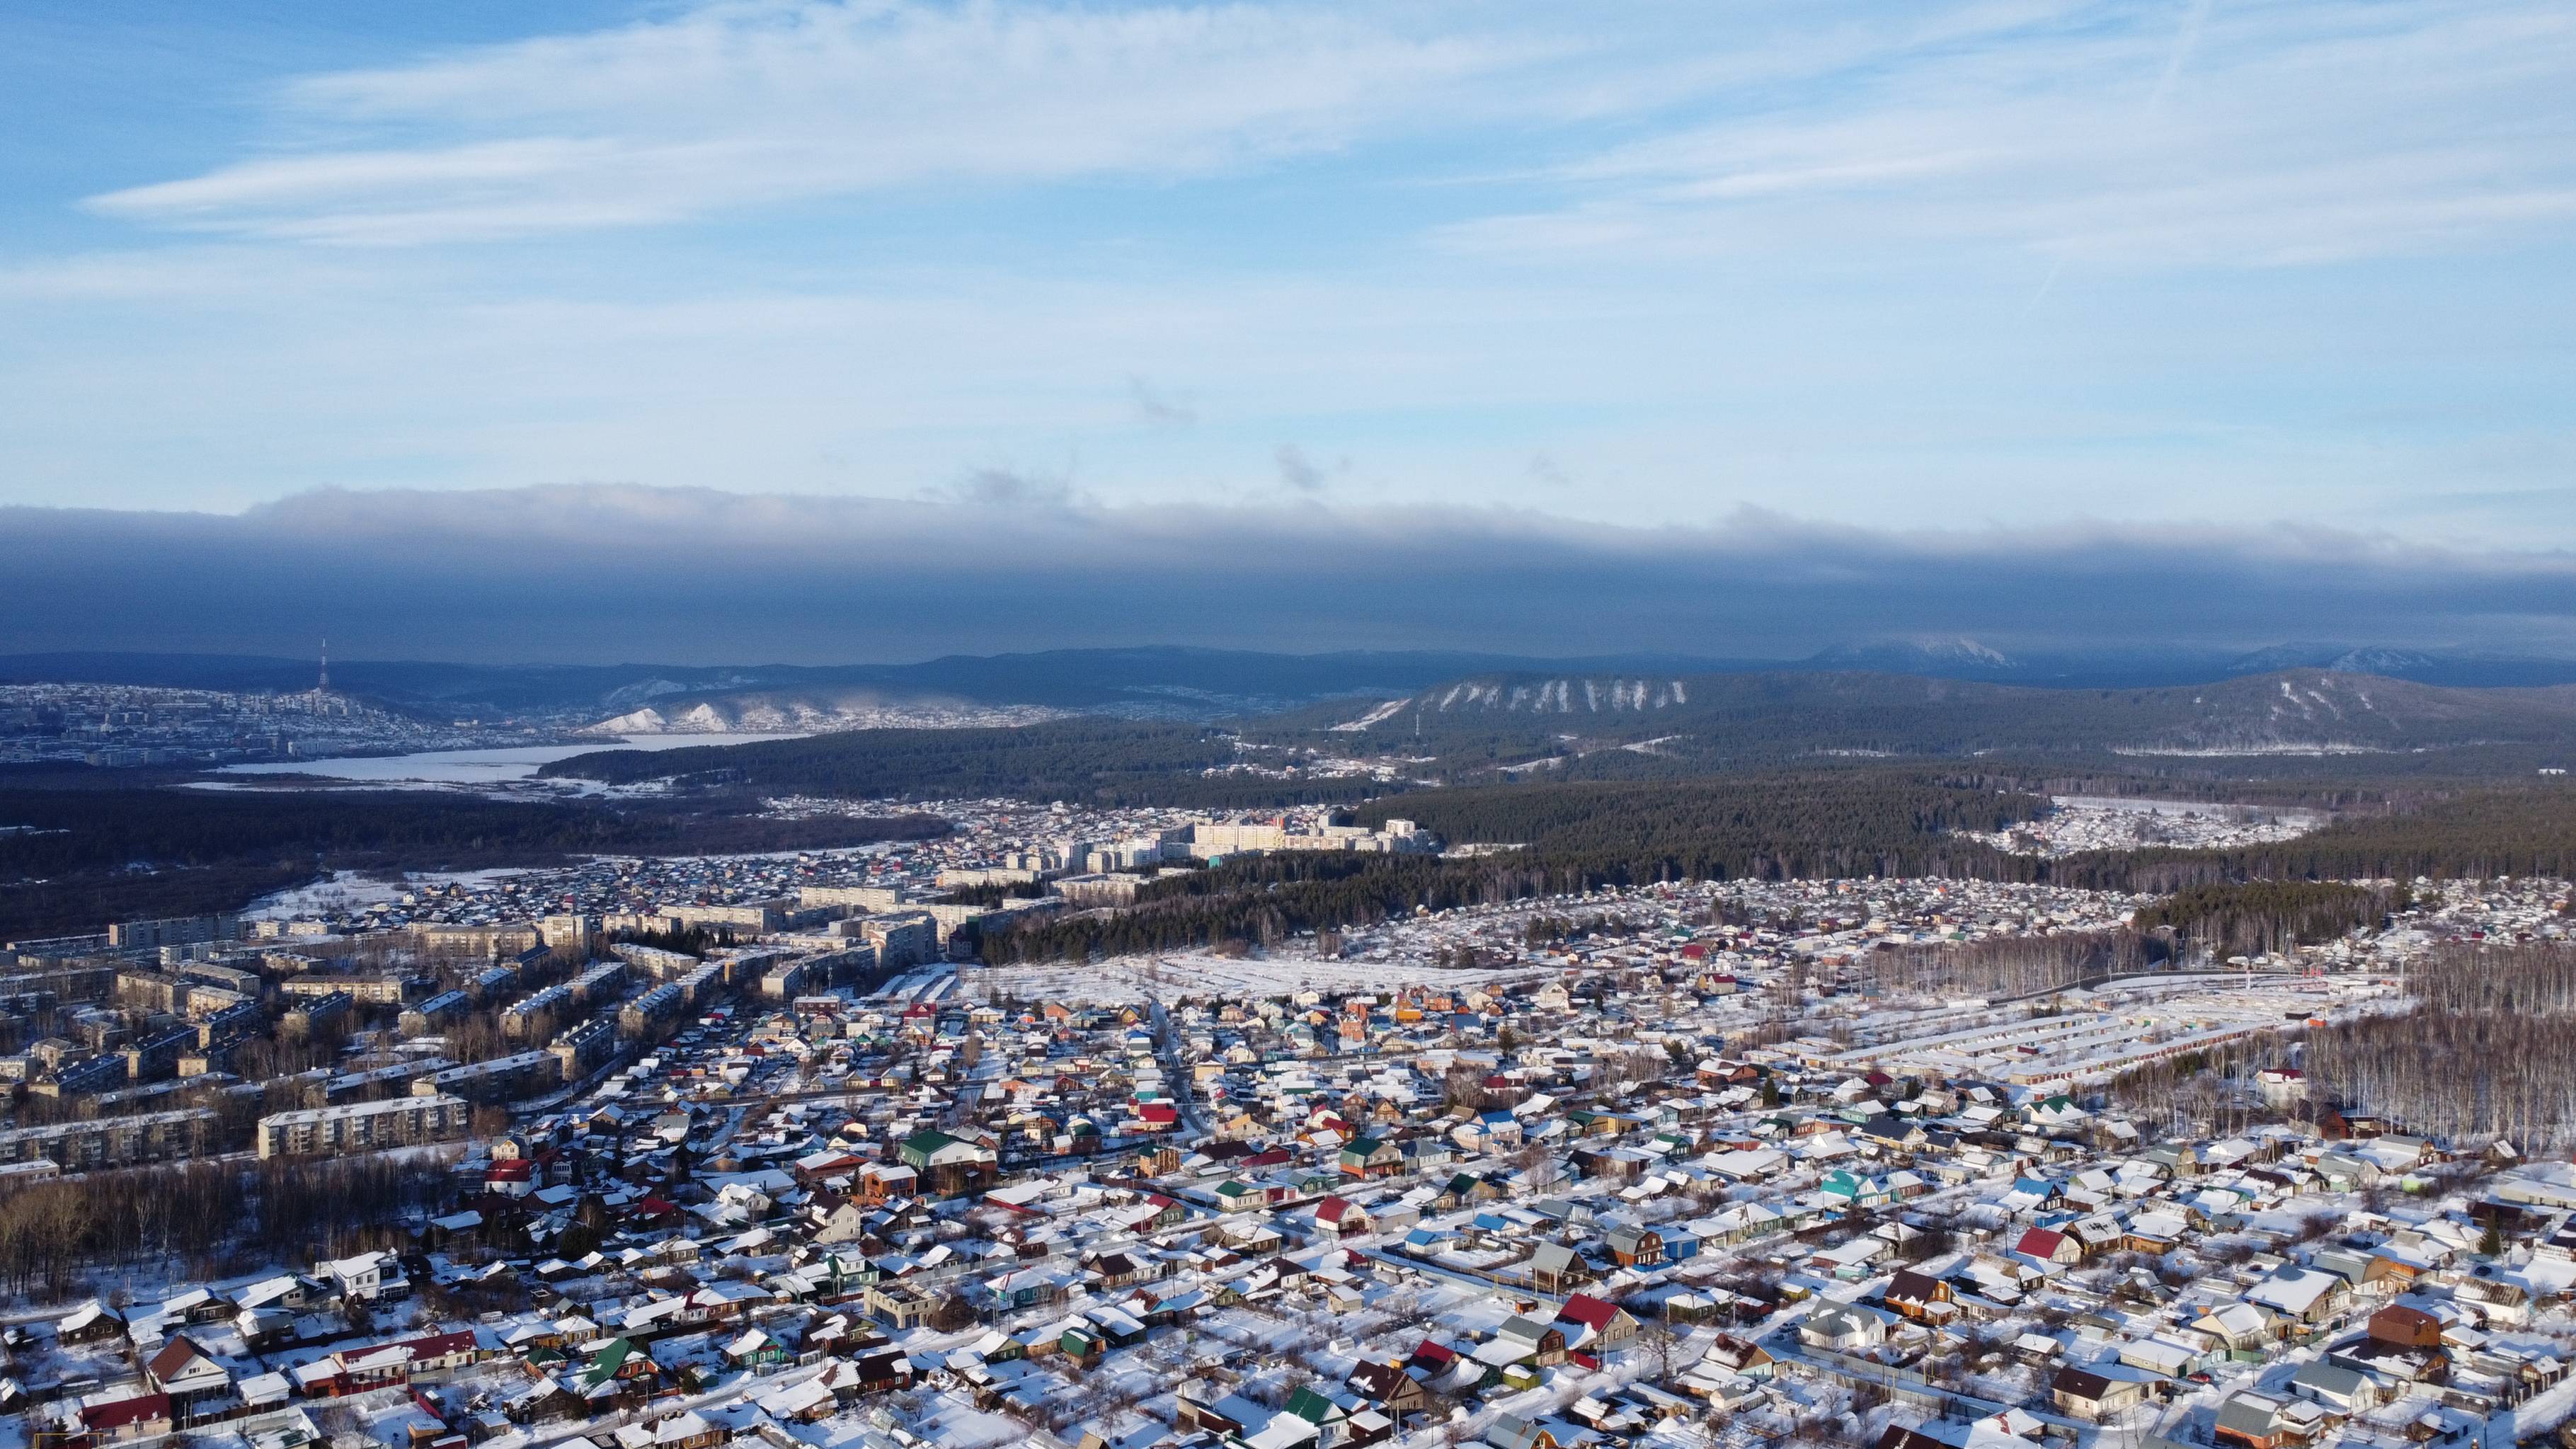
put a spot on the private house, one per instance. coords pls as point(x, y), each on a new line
point(1635, 1247)
point(1531, 1341)
point(2047, 1245)
point(1365, 1157)
point(1554, 1267)
point(1390, 1389)
point(1844, 1328)
point(2261, 1421)
point(1596, 1326)
point(92, 1322)
point(1340, 1216)
point(2302, 1295)
point(187, 1375)
point(1920, 1297)
point(2342, 1391)
point(2243, 1328)
point(2082, 1393)
point(949, 1166)
point(142, 1416)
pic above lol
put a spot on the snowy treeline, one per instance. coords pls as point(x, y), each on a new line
point(2491, 1052)
point(2532, 979)
point(2011, 965)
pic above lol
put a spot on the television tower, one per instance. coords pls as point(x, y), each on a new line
point(325, 686)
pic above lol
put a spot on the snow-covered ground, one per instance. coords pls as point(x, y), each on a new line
point(349, 890)
point(1201, 973)
point(2081, 823)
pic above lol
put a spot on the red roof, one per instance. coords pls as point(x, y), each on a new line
point(1591, 1312)
point(439, 1345)
point(509, 1169)
point(2041, 1243)
point(1331, 1209)
point(174, 1356)
point(139, 1409)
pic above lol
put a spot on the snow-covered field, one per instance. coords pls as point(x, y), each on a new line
point(2080, 823)
point(348, 890)
point(1171, 977)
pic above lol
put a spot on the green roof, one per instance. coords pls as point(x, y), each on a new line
point(921, 1146)
point(612, 1356)
point(1312, 1407)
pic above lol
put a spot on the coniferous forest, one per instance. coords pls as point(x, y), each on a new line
point(1573, 837)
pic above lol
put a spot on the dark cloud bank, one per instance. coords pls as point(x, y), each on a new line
point(599, 573)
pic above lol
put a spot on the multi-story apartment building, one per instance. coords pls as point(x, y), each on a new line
point(364, 1126)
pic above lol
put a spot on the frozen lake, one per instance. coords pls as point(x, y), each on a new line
point(475, 767)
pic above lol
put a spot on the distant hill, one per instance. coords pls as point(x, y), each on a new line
point(1525, 720)
point(1185, 684)
point(1940, 658)
point(1143, 683)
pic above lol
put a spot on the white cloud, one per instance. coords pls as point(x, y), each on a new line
point(739, 105)
point(2256, 134)
point(1903, 262)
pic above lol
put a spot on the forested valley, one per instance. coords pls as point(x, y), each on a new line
point(85, 851)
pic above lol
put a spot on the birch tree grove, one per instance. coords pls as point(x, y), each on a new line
point(2489, 1053)
point(2013, 965)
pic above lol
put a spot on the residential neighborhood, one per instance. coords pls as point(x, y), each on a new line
point(1684, 1166)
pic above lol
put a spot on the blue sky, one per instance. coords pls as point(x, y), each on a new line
point(2008, 265)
